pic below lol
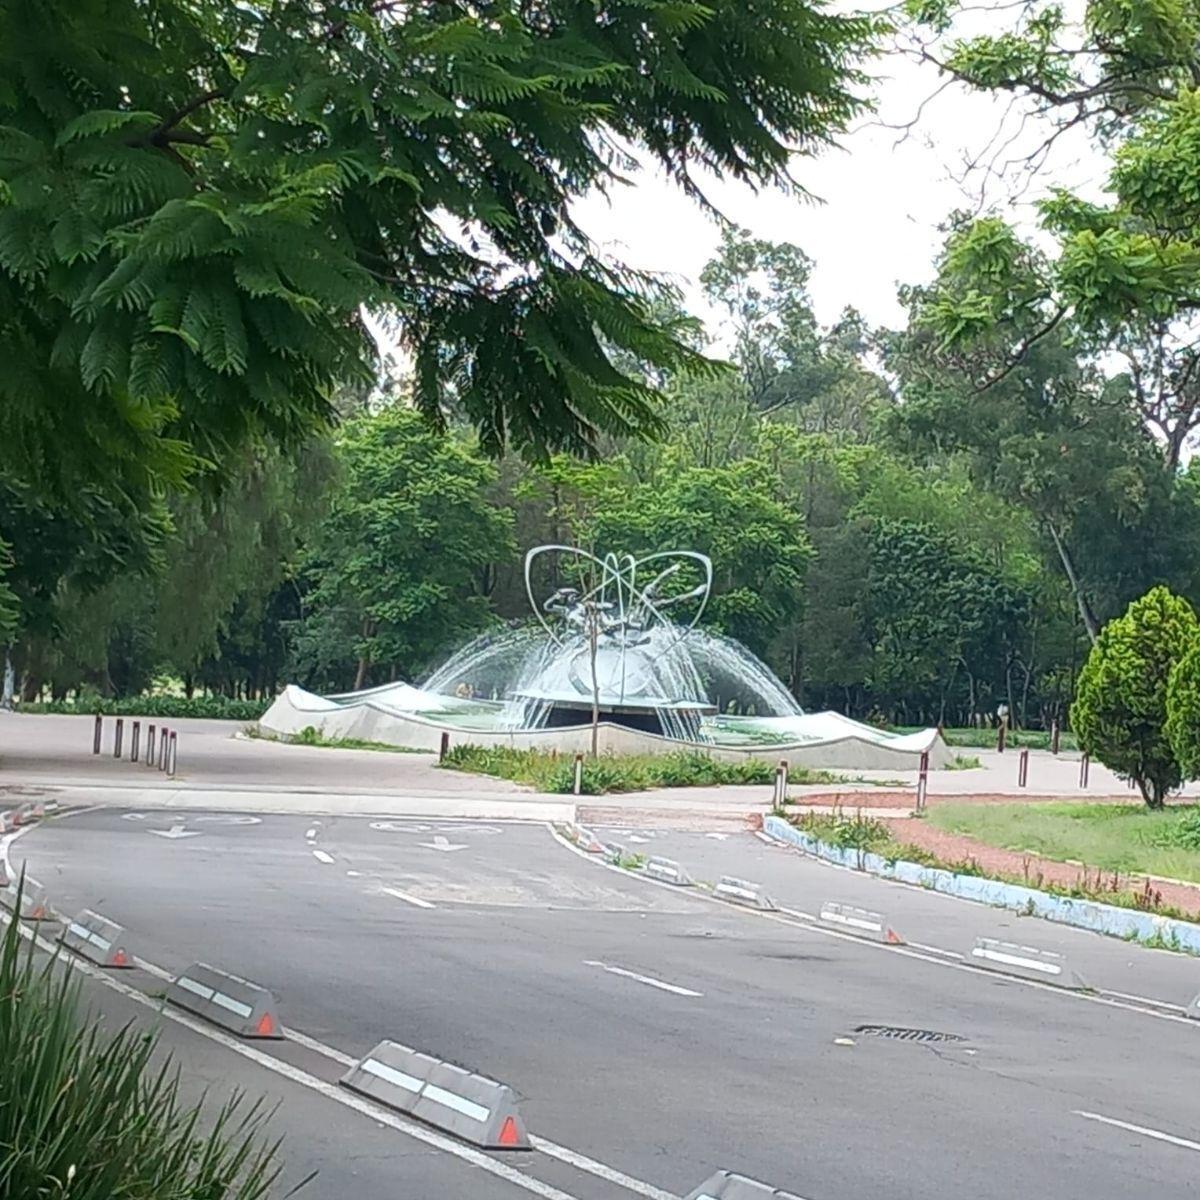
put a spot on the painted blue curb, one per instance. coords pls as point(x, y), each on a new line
point(1086, 914)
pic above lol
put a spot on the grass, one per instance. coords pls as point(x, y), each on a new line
point(91, 1115)
point(216, 708)
point(549, 772)
point(310, 736)
point(867, 835)
point(985, 739)
point(1126, 838)
point(963, 762)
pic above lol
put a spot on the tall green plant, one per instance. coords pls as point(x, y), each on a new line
point(1120, 709)
point(95, 1116)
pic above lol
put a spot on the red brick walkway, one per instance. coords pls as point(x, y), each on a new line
point(1036, 870)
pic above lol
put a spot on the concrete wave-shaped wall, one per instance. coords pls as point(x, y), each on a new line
point(829, 739)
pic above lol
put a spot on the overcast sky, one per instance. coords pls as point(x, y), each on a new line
point(883, 199)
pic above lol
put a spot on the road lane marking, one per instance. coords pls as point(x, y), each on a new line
point(391, 891)
point(1156, 1134)
point(648, 980)
point(330, 1091)
point(310, 834)
point(937, 950)
point(322, 857)
point(785, 916)
point(602, 1171)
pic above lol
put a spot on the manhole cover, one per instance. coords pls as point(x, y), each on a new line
point(902, 1034)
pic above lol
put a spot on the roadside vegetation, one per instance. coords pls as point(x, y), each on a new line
point(549, 772)
point(311, 736)
point(92, 1115)
point(1099, 882)
point(214, 708)
point(1127, 838)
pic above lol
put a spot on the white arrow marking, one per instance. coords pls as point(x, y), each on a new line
point(717, 837)
point(175, 832)
point(399, 827)
point(222, 820)
point(133, 816)
point(441, 843)
point(636, 838)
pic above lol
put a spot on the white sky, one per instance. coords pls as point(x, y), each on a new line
point(883, 201)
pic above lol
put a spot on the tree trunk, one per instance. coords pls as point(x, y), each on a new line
point(360, 676)
point(1085, 609)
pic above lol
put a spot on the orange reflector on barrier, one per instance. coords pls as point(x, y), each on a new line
point(266, 1026)
point(508, 1133)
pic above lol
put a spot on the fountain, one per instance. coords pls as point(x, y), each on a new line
point(616, 642)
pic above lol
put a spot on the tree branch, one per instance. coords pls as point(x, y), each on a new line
point(1022, 349)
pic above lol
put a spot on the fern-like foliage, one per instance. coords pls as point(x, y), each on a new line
point(199, 198)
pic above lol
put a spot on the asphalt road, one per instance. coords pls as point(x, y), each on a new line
point(654, 1030)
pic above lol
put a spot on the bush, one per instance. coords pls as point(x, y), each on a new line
point(216, 708)
point(1120, 708)
point(609, 772)
point(90, 1116)
point(1183, 712)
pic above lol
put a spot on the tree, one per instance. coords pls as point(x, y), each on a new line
point(1120, 709)
point(1183, 712)
point(198, 199)
point(395, 567)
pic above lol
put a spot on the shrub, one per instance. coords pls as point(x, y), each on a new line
point(609, 772)
point(91, 1116)
point(215, 708)
point(1183, 712)
point(1120, 708)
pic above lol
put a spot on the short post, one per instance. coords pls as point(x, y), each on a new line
point(97, 734)
point(149, 745)
point(922, 780)
point(1001, 734)
point(135, 741)
point(172, 753)
point(1023, 768)
point(1055, 737)
point(1083, 771)
point(162, 748)
point(783, 781)
point(444, 748)
point(777, 791)
point(578, 773)
point(118, 737)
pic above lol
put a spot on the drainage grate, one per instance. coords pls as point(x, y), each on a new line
point(899, 1033)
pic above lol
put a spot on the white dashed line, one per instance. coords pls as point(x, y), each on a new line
point(391, 891)
point(1156, 1134)
point(322, 857)
point(646, 979)
point(310, 834)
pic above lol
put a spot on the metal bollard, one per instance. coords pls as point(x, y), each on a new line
point(444, 749)
point(149, 745)
point(118, 737)
point(162, 748)
point(783, 781)
point(1055, 736)
point(98, 734)
point(135, 741)
point(578, 774)
point(922, 780)
point(1023, 768)
point(1001, 735)
point(172, 754)
point(1083, 771)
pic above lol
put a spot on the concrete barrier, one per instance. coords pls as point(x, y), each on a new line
point(227, 1000)
point(861, 921)
point(585, 839)
point(472, 1107)
point(743, 891)
point(1026, 962)
point(27, 900)
point(667, 870)
point(615, 853)
point(726, 1185)
point(1083, 914)
point(97, 939)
